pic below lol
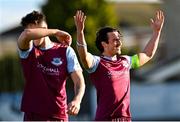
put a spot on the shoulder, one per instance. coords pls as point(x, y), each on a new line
point(95, 64)
point(69, 50)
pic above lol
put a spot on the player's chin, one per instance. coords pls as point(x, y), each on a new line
point(38, 42)
point(118, 52)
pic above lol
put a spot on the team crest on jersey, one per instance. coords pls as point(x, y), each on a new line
point(125, 64)
point(56, 61)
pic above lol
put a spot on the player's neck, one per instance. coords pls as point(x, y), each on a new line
point(46, 43)
point(110, 57)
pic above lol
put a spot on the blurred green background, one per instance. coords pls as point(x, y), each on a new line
point(132, 17)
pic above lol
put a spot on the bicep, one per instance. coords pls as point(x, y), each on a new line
point(88, 63)
point(23, 43)
point(143, 58)
point(85, 57)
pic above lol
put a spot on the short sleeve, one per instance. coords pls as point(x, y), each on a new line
point(72, 61)
point(24, 54)
point(96, 60)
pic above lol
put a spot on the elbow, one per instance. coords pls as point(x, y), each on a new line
point(151, 55)
point(144, 58)
point(85, 63)
point(26, 33)
point(84, 86)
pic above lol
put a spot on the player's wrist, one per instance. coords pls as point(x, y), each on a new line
point(81, 31)
point(80, 44)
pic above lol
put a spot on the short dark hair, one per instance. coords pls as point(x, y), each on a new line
point(102, 36)
point(34, 17)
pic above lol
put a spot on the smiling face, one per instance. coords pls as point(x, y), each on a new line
point(113, 46)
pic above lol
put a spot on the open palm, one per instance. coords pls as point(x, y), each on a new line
point(158, 21)
point(79, 20)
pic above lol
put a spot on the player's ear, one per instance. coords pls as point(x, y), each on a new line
point(104, 44)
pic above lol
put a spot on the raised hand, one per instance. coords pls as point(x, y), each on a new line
point(158, 21)
point(79, 20)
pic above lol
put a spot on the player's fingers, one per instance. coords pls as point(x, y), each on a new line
point(84, 19)
point(69, 111)
point(76, 111)
point(69, 106)
point(162, 15)
point(73, 110)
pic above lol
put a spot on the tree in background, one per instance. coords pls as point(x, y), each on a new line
point(99, 13)
point(11, 78)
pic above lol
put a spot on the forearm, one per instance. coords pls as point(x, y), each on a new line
point(81, 45)
point(33, 34)
point(152, 45)
point(85, 56)
point(79, 90)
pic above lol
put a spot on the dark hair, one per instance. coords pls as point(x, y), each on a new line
point(102, 36)
point(34, 17)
